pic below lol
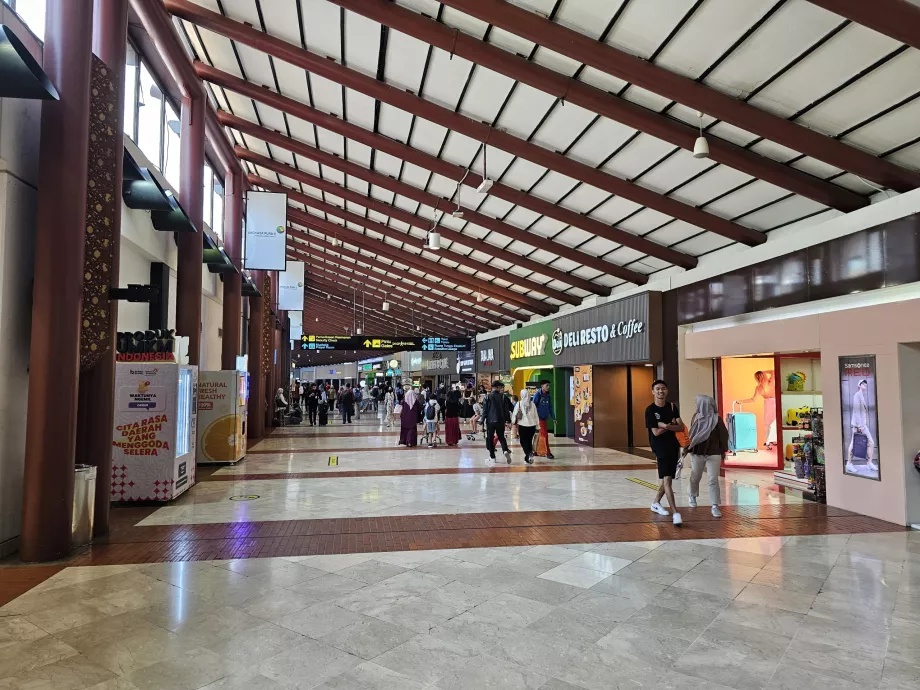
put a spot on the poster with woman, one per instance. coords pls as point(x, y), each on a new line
point(859, 416)
point(582, 399)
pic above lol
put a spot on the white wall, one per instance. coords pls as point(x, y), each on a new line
point(212, 320)
point(20, 125)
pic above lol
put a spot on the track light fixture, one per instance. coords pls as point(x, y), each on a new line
point(701, 146)
point(486, 183)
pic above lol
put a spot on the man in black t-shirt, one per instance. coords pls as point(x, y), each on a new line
point(662, 419)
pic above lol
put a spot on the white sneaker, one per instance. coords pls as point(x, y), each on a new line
point(850, 467)
point(677, 520)
point(716, 513)
point(693, 501)
point(656, 508)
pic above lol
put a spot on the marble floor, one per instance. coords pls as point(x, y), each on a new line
point(836, 606)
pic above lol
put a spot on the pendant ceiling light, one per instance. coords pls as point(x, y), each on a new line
point(486, 183)
point(386, 305)
point(434, 240)
point(701, 146)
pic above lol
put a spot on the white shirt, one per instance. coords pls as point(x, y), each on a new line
point(529, 417)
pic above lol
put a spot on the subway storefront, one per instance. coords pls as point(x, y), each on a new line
point(531, 359)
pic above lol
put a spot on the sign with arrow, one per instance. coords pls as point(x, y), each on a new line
point(372, 342)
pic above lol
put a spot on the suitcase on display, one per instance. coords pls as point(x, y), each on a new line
point(742, 430)
point(860, 446)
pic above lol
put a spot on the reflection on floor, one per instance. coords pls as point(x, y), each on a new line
point(397, 592)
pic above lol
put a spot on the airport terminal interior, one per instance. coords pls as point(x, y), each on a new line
point(459, 344)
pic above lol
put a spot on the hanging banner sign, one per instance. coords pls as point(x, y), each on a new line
point(266, 231)
point(290, 287)
point(374, 342)
point(296, 318)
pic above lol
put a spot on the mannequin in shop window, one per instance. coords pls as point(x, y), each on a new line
point(765, 389)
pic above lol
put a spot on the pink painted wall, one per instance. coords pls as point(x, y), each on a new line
point(873, 330)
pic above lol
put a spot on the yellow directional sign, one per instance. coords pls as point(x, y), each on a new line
point(333, 461)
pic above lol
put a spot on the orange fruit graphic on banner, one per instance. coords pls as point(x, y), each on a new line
point(221, 439)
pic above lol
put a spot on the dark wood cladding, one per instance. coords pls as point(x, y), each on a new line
point(883, 256)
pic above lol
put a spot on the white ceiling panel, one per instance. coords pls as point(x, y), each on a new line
point(573, 237)
point(703, 244)
point(546, 227)
point(485, 94)
point(894, 129)
point(510, 42)
point(461, 20)
point(647, 99)
point(877, 91)
point(446, 78)
point(710, 185)
point(562, 126)
point(283, 21)
point(394, 123)
point(909, 157)
point(556, 61)
point(743, 200)
point(584, 198)
point(301, 130)
point(614, 210)
point(638, 155)
point(644, 221)
point(522, 174)
point(711, 31)
point(405, 60)
point(521, 217)
point(427, 136)
point(307, 165)
point(846, 54)
point(495, 207)
point(674, 232)
point(598, 246)
point(729, 132)
point(293, 81)
point(553, 186)
point(601, 80)
point(524, 110)
point(327, 95)
point(603, 138)
point(674, 170)
point(777, 152)
point(331, 142)
point(783, 212)
point(794, 28)
point(360, 109)
point(362, 43)
point(321, 27)
point(815, 167)
point(588, 17)
point(623, 255)
point(645, 25)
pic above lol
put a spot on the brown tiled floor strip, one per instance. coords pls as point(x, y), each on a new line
point(15, 581)
point(498, 469)
point(129, 544)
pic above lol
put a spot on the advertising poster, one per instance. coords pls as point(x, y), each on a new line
point(582, 399)
point(145, 435)
point(266, 231)
point(220, 416)
point(859, 416)
point(290, 287)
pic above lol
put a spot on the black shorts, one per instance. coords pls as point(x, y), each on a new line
point(667, 465)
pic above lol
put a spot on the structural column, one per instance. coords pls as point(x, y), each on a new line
point(190, 245)
point(54, 366)
point(233, 282)
point(97, 384)
point(255, 416)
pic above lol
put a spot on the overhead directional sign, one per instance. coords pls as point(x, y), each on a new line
point(373, 342)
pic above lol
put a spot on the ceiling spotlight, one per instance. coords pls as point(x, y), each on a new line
point(457, 213)
point(701, 146)
point(479, 297)
point(484, 186)
point(434, 241)
point(358, 330)
point(386, 305)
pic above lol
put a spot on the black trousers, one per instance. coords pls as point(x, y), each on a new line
point(527, 434)
point(493, 429)
point(346, 414)
point(312, 409)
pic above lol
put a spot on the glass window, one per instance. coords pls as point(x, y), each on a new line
point(218, 215)
point(130, 91)
point(150, 118)
point(208, 198)
point(171, 155)
point(33, 14)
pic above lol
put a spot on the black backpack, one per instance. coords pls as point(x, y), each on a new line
point(430, 412)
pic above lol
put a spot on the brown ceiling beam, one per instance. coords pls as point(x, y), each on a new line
point(416, 243)
point(414, 298)
point(456, 172)
point(603, 103)
point(420, 263)
point(389, 269)
point(406, 311)
point(423, 223)
point(446, 117)
point(690, 93)
point(897, 19)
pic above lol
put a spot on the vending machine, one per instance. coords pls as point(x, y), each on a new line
point(222, 399)
point(155, 430)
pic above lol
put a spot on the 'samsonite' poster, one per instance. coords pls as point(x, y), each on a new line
point(859, 416)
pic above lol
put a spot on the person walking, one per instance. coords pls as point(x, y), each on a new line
point(526, 420)
point(359, 398)
point(496, 413)
point(544, 402)
point(708, 444)
point(663, 421)
point(408, 419)
point(347, 404)
point(313, 400)
point(389, 402)
point(452, 418)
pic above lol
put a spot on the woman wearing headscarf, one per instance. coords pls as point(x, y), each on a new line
point(708, 443)
point(452, 418)
point(526, 419)
point(408, 419)
point(389, 402)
